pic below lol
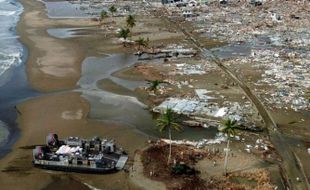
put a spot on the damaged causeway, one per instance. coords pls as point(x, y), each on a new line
point(292, 172)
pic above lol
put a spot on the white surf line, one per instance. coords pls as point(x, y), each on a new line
point(102, 94)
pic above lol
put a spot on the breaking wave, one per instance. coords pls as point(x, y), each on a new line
point(11, 50)
point(7, 13)
point(7, 61)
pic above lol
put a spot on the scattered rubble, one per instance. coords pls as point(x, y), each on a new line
point(172, 51)
point(279, 39)
point(190, 69)
point(198, 144)
point(285, 77)
point(201, 109)
point(125, 8)
point(239, 21)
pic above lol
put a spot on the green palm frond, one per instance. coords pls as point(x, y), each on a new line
point(103, 15)
point(131, 21)
point(142, 42)
point(162, 128)
point(112, 9)
point(229, 127)
point(154, 84)
point(176, 126)
point(124, 33)
point(308, 94)
point(167, 120)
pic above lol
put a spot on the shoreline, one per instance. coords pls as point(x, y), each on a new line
point(15, 90)
point(35, 42)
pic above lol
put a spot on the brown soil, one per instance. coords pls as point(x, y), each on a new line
point(154, 160)
point(155, 166)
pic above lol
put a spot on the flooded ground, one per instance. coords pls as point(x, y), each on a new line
point(122, 107)
point(66, 9)
point(64, 33)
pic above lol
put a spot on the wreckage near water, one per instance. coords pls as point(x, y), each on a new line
point(79, 155)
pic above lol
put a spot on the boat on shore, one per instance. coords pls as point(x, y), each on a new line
point(75, 154)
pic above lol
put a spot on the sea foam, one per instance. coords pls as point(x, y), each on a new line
point(7, 13)
point(11, 50)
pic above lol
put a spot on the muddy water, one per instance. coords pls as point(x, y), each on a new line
point(65, 9)
point(125, 108)
point(64, 33)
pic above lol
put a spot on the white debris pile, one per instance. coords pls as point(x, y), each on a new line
point(285, 76)
point(219, 138)
point(203, 94)
point(244, 113)
point(94, 8)
point(182, 106)
point(190, 69)
point(193, 68)
point(180, 50)
point(236, 21)
point(260, 145)
point(240, 21)
point(202, 107)
point(65, 149)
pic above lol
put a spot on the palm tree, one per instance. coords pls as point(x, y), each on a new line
point(124, 33)
point(166, 121)
point(229, 127)
point(142, 42)
point(103, 15)
point(112, 10)
point(308, 94)
point(154, 84)
point(131, 21)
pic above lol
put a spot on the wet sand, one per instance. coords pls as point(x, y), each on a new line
point(46, 71)
point(66, 115)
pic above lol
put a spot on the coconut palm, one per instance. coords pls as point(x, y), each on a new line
point(167, 121)
point(154, 84)
point(131, 21)
point(141, 42)
point(103, 15)
point(229, 127)
point(308, 94)
point(124, 33)
point(112, 9)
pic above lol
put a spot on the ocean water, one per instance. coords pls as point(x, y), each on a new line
point(11, 50)
point(4, 133)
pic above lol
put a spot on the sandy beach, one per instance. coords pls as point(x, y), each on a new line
point(52, 64)
point(66, 115)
